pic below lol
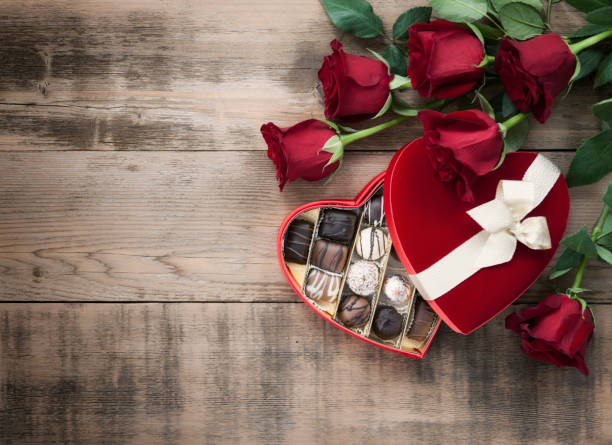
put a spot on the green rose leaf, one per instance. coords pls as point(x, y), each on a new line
point(354, 16)
point(601, 16)
point(485, 105)
point(503, 106)
point(567, 260)
point(607, 197)
point(592, 161)
point(581, 242)
point(586, 5)
point(605, 240)
point(604, 72)
point(402, 107)
point(604, 254)
point(396, 59)
point(589, 60)
point(489, 32)
point(587, 30)
point(460, 10)
point(499, 4)
point(521, 21)
point(603, 111)
point(407, 19)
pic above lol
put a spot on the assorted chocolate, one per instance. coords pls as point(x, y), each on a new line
point(344, 260)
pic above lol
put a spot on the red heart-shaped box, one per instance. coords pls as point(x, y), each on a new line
point(426, 221)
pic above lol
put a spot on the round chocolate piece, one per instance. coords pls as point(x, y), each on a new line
point(362, 278)
point(354, 311)
point(387, 323)
point(372, 244)
point(396, 289)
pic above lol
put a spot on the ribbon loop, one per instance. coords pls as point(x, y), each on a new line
point(501, 218)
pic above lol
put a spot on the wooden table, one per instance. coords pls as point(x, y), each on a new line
point(142, 302)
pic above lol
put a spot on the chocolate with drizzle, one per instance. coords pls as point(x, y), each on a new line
point(329, 256)
point(297, 241)
point(354, 311)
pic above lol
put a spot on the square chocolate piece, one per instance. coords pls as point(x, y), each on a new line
point(322, 286)
point(329, 256)
point(338, 225)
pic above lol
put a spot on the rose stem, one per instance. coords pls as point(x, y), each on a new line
point(352, 137)
point(596, 231)
point(590, 41)
point(511, 122)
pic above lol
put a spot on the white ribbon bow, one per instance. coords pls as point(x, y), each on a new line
point(503, 217)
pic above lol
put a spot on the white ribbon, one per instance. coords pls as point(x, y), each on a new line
point(501, 218)
point(503, 223)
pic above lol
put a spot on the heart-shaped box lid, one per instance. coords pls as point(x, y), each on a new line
point(427, 221)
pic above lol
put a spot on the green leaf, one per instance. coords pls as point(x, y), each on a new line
point(587, 30)
point(516, 136)
point(601, 16)
point(399, 83)
point(478, 34)
point(592, 161)
point(402, 107)
point(567, 260)
point(499, 4)
point(589, 60)
point(354, 16)
point(503, 106)
point(604, 254)
point(396, 59)
point(605, 240)
point(603, 111)
point(407, 19)
point(489, 32)
point(586, 5)
point(604, 72)
point(607, 197)
point(379, 57)
point(581, 242)
point(460, 10)
point(521, 21)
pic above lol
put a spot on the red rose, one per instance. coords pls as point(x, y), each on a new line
point(461, 146)
point(555, 331)
point(535, 71)
point(355, 87)
point(443, 59)
point(297, 151)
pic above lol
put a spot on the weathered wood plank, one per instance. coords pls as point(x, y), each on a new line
point(138, 75)
point(276, 373)
point(174, 226)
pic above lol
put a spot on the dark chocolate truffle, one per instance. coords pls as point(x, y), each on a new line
point(337, 225)
point(322, 286)
point(297, 241)
point(375, 211)
point(387, 323)
point(354, 311)
point(424, 318)
point(329, 256)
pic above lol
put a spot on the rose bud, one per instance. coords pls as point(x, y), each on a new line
point(535, 71)
point(443, 59)
point(298, 151)
point(557, 331)
point(461, 146)
point(356, 88)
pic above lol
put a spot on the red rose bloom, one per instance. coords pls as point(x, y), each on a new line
point(555, 331)
point(461, 146)
point(297, 151)
point(355, 87)
point(443, 59)
point(535, 71)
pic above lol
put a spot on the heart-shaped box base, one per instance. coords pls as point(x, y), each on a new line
point(419, 322)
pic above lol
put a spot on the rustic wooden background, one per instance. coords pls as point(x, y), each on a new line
point(141, 298)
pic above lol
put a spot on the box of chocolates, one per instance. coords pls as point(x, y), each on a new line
point(340, 259)
point(406, 254)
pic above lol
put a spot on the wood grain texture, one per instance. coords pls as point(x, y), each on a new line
point(277, 373)
point(174, 226)
point(203, 75)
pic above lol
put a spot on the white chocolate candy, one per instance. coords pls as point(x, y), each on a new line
point(396, 289)
point(362, 278)
point(372, 243)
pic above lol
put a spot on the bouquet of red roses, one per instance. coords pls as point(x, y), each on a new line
point(454, 62)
